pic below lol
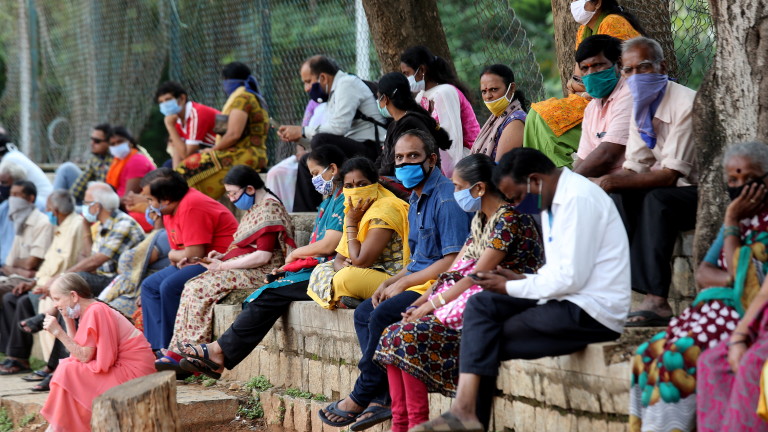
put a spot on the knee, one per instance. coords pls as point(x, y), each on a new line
point(363, 312)
point(9, 299)
point(478, 302)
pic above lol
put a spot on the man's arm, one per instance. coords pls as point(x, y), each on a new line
point(631, 180)
point(404, 280)
point(90, 264)
point(601, 160)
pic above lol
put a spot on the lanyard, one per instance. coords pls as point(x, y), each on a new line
point(551, 218)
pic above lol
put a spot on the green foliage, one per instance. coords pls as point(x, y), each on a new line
point(251, 410)
point(193, 379)
point(27, 419)
point(297, 393)
point(260, 383)
point(6, 425)
point(207, 382)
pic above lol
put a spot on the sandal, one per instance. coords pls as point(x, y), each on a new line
point(38, 375)
point(196, 367)
point(379, 414)
point(449, 422)
point(33, 324)
point(170, 361)
point(44, 385)
point(649, 319)
point(14, 367)
point(346, 302)
point(333, 408)
point(205, 358)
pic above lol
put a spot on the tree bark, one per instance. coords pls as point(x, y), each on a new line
point(146, 404)
point(731, 105)
point(398, 24)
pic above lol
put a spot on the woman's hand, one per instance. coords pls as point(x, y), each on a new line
point(355, 212)
point(747, 204)
point(415, 314)
point(735, 353)
point(290, 258)
point(51, 324)
point(214, 265)
point(215, 255)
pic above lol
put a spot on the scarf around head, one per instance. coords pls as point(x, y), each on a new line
point(647, 92)
point(19, 210)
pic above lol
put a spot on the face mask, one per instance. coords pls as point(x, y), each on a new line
point(90, 217)
point(531, 203)
point(170, 107)
point(52, 218)
point(581, 15)
point(383, 110)
point(364, 193)
point(121, 150)
point(148, 214)
point(410, 174)
point(322, 186)
point(734, 192)
point(601, 84)
point(466, 201)
point(496, 107)
point(416, 86)
point(245, 202)
point(74, 312)
point(5, 192)
point(230, 85)
point(317, 94)
point(17, 204)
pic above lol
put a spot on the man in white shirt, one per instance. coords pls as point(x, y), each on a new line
point(580, 296)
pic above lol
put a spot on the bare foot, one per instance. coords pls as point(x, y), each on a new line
point(655, 304)
point(346, 404)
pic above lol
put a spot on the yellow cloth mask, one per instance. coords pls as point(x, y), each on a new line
point(359, 194)
point(496, 107)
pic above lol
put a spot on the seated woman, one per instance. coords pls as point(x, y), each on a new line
point(665, 390)
point(503, 130)
point(129, 164)
point(373, 248)
point(604, 17)
point(242, 141)
point(261, 243)
point(500, 237)
point(106, 350)
point(263, 308)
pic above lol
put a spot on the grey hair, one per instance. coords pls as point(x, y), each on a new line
point(657, 53)
point(430, 146)
point(13, 170)
point(755, 151)
point(62, 200)
point(104, 195)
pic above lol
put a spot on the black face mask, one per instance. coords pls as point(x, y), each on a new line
point(734, 192)
point(5, 192)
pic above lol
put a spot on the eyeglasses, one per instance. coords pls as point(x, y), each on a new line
point(97, 140)
point(234, 193)
point(643, 67)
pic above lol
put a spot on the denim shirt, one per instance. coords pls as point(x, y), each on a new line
point(438, 227)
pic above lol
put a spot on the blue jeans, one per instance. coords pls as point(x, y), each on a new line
point(65, 176)
point(370, 323)
point(160, 297)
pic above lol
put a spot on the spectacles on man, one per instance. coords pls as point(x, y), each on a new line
point(642, 67)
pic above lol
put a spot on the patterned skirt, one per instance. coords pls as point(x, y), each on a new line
point(426, 349)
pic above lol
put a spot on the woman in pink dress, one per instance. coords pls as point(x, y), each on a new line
point(106, 350)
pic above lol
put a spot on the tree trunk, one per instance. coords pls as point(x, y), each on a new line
point(398, 24)
point(731, 105)
point(146, 404)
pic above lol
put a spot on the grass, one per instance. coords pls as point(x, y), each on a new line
point(260, 383)
point(294, 392)
point(251, 410)
point(207, 381)
point(6, 425)
point(27, 419)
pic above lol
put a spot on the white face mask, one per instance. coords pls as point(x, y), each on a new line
point(581, 15)
point(121, 150)
point(416, 86)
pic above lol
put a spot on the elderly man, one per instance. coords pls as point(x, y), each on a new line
point(64, 251)
point(9, 173)
point(656, 192)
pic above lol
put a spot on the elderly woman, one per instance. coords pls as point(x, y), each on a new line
point(106, 350)
point(500, 236)
point(667, 384)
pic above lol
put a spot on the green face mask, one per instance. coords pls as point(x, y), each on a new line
point(601, 84)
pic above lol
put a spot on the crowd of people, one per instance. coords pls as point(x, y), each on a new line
point(457, 245)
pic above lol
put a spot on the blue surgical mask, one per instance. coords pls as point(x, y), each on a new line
point(383, 109)
point(149, 212)
point(410, 174)
point(322, 186)
point(52, 218)
point(531, 203)
point(170, 107)
point(230, 85)
point(245, 202)
point(466, 201)
point(86, 212)
point(317, 94)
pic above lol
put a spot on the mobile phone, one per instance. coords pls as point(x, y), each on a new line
point(474, 276)
point(273, 277)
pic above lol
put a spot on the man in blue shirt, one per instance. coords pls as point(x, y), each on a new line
point(438, 231)
point(9, 173)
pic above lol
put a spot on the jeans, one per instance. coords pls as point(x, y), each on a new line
point(65, 176)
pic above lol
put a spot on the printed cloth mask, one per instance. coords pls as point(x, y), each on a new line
point(245, 202)
point(581, 15)
point(466, 201)
point(317, 94)
point(230, 85)
point(148, 213)
point(170, 107)
point(361, 194)
point(601, 84)
point(121, 150)
point(383, 109)
point(647, 92)
point(19, 210)
point(74, 312)
point(735, 191)
point(322, 186)
point(86, 211)
point(496, 107)
point(416, 86)
point(531, 203)
point(5, 192)
point(52, 218)
point(410, 174)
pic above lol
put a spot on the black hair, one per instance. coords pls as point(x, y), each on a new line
point(519, 163)
point(612, 7)
point(27, 187)
point(438, 69)
point(325, 155)
point(105, 128)
point(430, 146)
point(476, 168)
point(244, 176)
point(362, 164)
point(172, 87)
point(123, 132)
point(508, 77)
point(609, 46)
point(236, 70)
point(321, 64)
point(165, 184)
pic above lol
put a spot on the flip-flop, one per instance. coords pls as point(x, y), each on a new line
point(44, 385)
point(349, 302)
point(448, 422)
point(36, 376)
point(194, 366)
point(32, 324)
point(333, 408)
point(170, 361)
point(379, 414)
point(205, 358)
point(650, 319)
point(14, 364)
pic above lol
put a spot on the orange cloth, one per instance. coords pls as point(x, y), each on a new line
point(113, 175)
point(122, 354)
point(561, 115)
point(612, 25)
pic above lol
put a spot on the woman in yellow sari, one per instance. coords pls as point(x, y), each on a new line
point(242, 134)
point(374, 244)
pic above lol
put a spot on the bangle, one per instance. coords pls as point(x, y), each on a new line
point(731, 231)
point(738, 342)
point(442, 300)
point(351, 239)
point(351, 226)
point(410, 307)
point(432, 303)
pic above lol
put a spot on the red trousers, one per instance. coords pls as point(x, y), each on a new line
point(410, 401)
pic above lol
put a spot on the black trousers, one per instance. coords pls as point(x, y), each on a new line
point(19, 342)
point(653, 219)
point(498, 327)
point(306, 198)
point(256, 319)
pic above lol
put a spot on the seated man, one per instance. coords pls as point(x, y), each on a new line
point(9, 153)
point(605, 128)
point(439, 228)
point(9, 173)
point(656, 191)
point(64, 252)
point(189, 124)
point(95, 169)
point(348, 98)
point(580, 296)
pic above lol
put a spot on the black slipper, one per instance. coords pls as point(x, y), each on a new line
point(649, 319)
point(379, 414)
point(205, 358)
point(350, 302)
point(44, 386)
point(333, 408)
point(32, 324)
point(195, 366)
point(38, 375)
point(14, 367)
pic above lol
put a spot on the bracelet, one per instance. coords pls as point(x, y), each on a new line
point(442, 300)
point(351, 239)
point(731, 231)
point(738, 342)
point(432, 303)
point(410, 307)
